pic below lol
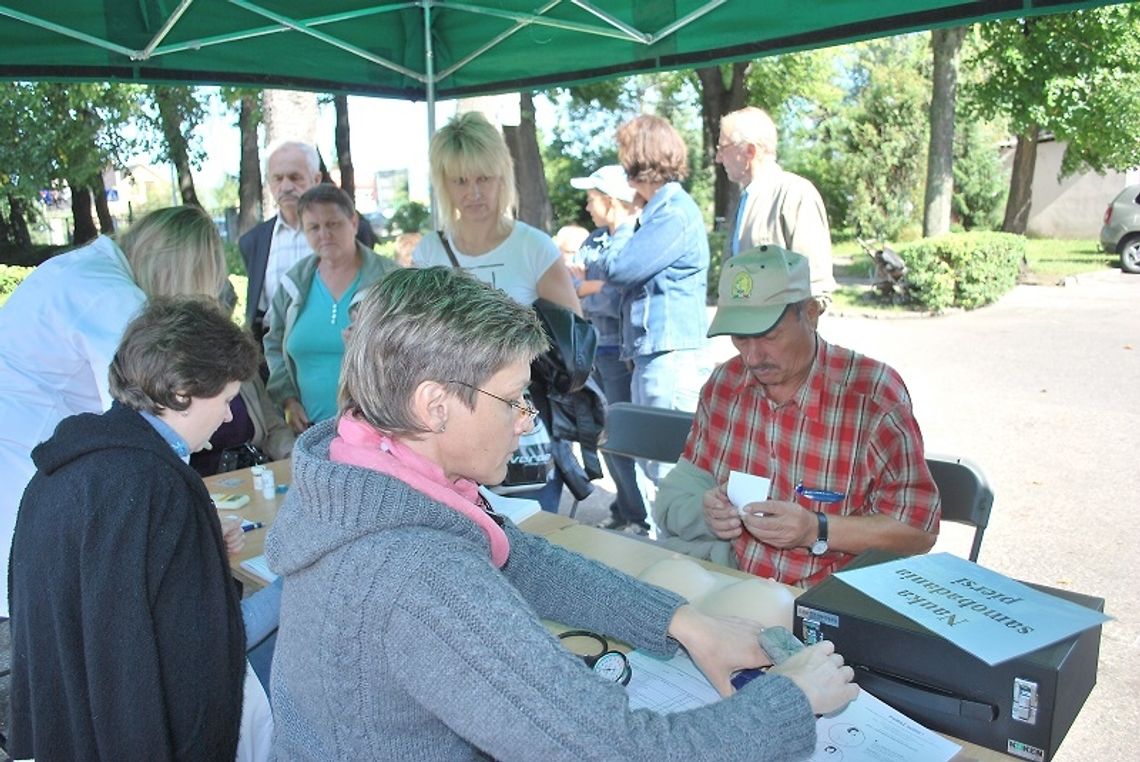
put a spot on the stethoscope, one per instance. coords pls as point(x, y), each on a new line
point(607, 663)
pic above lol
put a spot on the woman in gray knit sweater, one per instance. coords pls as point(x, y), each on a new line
point(411, 618)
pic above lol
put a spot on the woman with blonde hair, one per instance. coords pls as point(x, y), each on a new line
point(474, 179)
point(60, 328)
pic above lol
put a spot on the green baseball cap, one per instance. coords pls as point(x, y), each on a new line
point(755, 289)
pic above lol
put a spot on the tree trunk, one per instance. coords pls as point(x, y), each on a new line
point(718, 99)
point(17, 231)
point(7, 235)
point(343, 149)
point(84, 229)
point(171, 119)
point(1021, 182)
point(534, 198)
point(947, 44)
point(99, 193)
point(249, 172)
point(288, 115)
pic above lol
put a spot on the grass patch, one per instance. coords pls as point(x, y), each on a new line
point(1051, 260)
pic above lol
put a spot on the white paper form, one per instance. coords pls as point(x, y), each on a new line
point(259, 566)
point(867, 730)
point(667, 685)
point(747, 488)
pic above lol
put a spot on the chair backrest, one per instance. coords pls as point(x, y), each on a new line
point(639, 431)
point(966, 495)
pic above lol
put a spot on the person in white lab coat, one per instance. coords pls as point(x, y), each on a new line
point(60, 328)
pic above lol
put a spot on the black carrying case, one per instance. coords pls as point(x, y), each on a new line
point(1023, 706)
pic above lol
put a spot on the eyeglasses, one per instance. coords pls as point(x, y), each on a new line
point(525, 410)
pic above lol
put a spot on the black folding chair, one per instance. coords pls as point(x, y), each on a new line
point(651, 433)
point(640, 431)
point(966, 495)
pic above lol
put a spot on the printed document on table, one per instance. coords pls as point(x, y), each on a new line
point(985, 613)
point(667, 685)
point(260, 567)
point(867, 730)
point(517, 509)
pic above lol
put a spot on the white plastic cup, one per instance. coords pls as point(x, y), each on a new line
point(257, 472)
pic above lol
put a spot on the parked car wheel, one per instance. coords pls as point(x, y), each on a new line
point(1130, 254)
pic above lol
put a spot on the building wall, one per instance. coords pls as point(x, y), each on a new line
point(1072, 207)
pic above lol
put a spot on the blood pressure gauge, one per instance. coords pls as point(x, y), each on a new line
point(605, 662)
point(613, 666)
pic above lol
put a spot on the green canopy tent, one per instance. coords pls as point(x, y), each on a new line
point(430, 49)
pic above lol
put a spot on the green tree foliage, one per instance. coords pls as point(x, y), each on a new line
point(584, 136)
point(1076, 75)
point(55, 132)
point(409, 217)
point(980, 181)
point(58, 134)
point(880, 137)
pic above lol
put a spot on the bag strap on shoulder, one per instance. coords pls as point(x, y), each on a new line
point(447, 247)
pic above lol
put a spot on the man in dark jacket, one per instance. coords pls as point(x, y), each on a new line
point(272, 247)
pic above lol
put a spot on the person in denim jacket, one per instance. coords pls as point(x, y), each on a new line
point(663, 273)
point(610, 202)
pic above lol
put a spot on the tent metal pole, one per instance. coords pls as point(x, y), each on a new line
point(429, 90)
point(165, 30)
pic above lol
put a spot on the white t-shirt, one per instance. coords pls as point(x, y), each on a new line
point(287, 247)
point(514, 266)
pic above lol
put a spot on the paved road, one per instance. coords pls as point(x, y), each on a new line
point(1041, 390)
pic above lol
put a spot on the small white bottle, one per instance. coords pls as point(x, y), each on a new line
point(268, 484)
point(257, 471)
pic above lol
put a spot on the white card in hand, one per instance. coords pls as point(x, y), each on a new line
point(747, 488)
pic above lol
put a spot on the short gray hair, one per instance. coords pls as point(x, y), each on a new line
point(179, 348)
point(312, 158)
point(433, 324)
point(753, 126)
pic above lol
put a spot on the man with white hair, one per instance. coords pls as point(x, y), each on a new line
point(776, 207)
point(274, 246)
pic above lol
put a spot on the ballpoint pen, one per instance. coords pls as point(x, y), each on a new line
point(249, 526)
point(820, 495)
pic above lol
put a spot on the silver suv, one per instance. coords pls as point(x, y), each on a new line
point(1121, 231)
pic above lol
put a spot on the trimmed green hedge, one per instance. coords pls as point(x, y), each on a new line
point(10, 277)
point(966, 270)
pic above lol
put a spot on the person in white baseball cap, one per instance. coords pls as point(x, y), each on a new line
point(609, 180)
point(610, 203)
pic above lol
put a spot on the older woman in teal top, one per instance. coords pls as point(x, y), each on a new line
point(305, 342)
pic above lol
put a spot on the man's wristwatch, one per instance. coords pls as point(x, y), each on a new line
point(819, 547)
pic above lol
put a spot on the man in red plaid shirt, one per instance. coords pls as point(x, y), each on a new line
point(832, 429)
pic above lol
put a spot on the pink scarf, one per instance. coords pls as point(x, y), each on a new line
point(359, 444)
